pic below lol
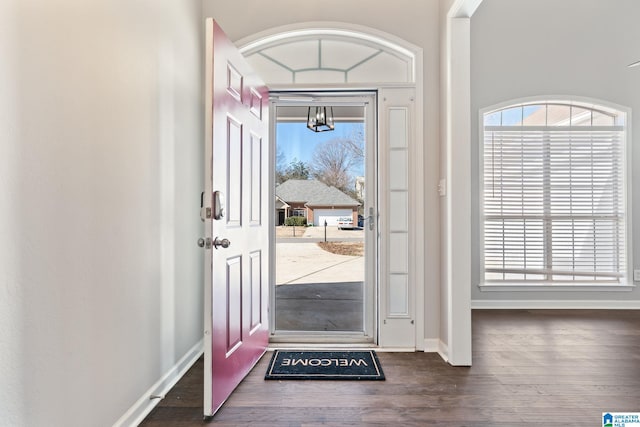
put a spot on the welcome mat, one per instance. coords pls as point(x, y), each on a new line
point(324, 365)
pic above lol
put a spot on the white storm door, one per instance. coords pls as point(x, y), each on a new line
point(236, 219)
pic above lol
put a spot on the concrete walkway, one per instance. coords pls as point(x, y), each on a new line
point(333, 233)
point(317, 290)
point(307, 263)
point(316, 234)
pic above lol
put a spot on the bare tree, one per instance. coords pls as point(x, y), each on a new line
point(281, 168)
point(355, 142)
point(280, 159)
point(333, 160)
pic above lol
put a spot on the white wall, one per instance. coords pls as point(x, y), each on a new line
point(455, 327)
point(415, 22)
point(547, 47)
point(100, 173)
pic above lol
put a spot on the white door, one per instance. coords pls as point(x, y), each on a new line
point(236, 219)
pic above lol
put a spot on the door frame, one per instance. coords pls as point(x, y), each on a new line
point(415, 320)
point(416, 183)
point(368, 98)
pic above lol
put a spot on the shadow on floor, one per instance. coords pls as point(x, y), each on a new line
point(320, 307)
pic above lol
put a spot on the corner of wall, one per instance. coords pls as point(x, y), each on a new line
point(435, 345)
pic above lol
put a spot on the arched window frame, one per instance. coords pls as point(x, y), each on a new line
point(590, 119)
point(376, 58)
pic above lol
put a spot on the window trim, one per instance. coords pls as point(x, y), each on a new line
point(546, 286)
point(398, 50)
point(584, 102)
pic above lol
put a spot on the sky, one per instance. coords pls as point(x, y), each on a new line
point(296, 141)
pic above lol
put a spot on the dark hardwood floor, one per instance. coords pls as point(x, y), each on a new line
point(530, 368)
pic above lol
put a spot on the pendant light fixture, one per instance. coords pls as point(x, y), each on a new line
point(320, 119)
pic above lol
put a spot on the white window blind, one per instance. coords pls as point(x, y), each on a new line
point(553, 196)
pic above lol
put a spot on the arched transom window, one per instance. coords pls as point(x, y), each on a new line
point(553, 194)
point(329, 56)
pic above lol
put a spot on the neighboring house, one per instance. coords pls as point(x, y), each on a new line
point(315, 201)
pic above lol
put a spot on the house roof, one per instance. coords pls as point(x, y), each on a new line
point(313, 193)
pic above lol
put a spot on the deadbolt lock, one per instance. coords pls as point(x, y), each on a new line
point(204, 243)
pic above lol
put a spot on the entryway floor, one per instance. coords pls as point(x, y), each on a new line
point(530, 368)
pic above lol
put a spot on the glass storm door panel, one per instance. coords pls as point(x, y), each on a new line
point(325, 273)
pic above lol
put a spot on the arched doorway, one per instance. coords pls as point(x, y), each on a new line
point(341, 57)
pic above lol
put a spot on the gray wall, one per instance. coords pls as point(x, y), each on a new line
point(100, 171)
point(550, 47)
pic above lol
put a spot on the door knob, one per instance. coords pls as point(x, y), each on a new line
point(225, 243)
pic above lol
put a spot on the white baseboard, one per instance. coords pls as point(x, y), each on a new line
point(435, 345)
point(431, 345)
point(139, 410)
point(555, 304)
point(443, 351)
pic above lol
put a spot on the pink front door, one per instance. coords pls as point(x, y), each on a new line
point(236, 218)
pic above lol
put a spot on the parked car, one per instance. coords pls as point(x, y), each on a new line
point(345, 222)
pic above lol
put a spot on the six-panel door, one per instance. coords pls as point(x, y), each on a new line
point(236, 276)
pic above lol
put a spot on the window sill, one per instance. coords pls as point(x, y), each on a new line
point(547, 287)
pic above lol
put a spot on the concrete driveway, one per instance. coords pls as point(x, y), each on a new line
point(316, 234)
point(333, 233)
point(317, 290)
point(306, 262)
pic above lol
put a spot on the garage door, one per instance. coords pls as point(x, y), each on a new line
point(331, 215)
